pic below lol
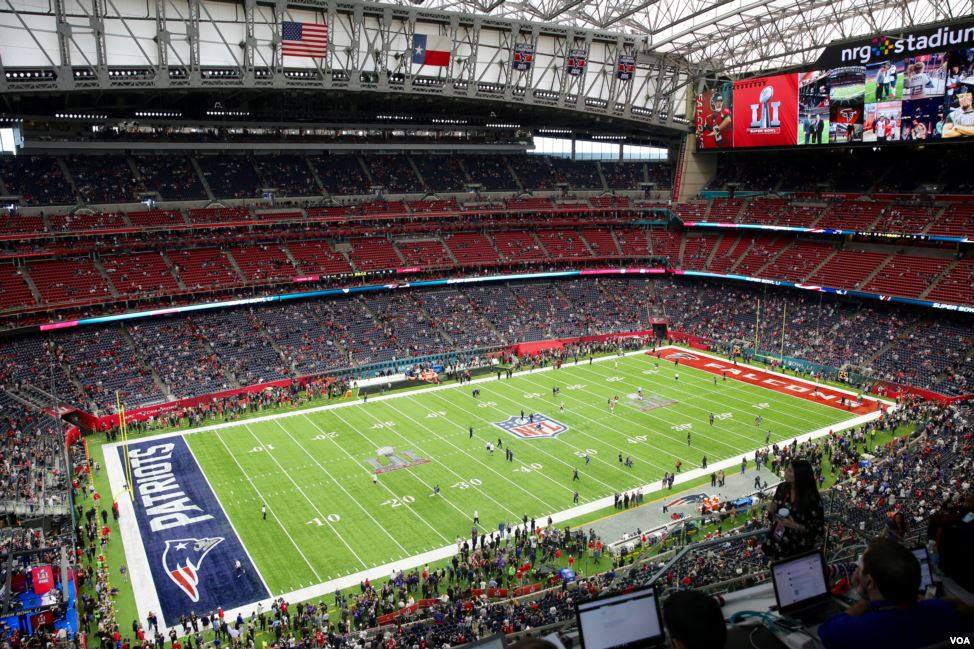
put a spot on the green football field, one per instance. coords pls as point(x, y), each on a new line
point(842, 93)
point(871, 89)
point(326, 517)
point(801, 133)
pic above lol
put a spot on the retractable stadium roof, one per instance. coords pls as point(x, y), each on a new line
point(728, 36)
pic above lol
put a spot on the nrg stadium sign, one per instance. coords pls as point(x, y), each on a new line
point(879, 48)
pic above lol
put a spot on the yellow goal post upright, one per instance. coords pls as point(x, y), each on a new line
point(123, 432)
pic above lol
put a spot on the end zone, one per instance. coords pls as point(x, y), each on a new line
point(778, 382)
point(179, 543)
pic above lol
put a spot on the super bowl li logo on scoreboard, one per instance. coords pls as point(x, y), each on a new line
point(765, 114)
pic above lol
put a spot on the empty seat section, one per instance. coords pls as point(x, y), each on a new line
point(374, 253)
point(423, 253)
point(172, 176)
point(201, 268)
point(317, 257)
point(518, 246)
point(601, 242)
point(140, 273)
point(563, 244)
point(471, 248)
point(263, 262)
point(62, 281)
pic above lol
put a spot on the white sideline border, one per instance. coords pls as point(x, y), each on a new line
point(136, 559)
point(147, 599)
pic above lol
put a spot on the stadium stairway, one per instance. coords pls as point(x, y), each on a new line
point(868, 278)
point(741, 256)
point(828, 258)
point(202, 177)
point(683, 249)
point(212, 351)
point(108, 280)
point(290, 258)
point(134, 168)
point(903, 335)
point(598, 168)
point(615, 241)
point(365, 170)
point(34, 291)
point(235, 266)
point(172, 269)
point(317, 178)
point(773, 258)
point(517, 179)
point(139, 357)
point(713, 251)
point(259, 326)
point(63, 166)
point(415, 168)
point(946, 273)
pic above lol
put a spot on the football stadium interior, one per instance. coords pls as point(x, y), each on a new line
point(534, 323)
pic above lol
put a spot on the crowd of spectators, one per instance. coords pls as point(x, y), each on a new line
point(197, 354)
point(172, 176)
point(891, 489)
point(32, 470)
point(103, 179)
point(916, 478)
point(230, 176)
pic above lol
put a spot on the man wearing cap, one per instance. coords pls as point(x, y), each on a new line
point(960, 121)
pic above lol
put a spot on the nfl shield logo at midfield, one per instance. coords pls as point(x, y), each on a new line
point(541, 426)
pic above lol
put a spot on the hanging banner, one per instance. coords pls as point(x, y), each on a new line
point(626, 68)
point(523, 57)
point(43, 578)
point(575, 62)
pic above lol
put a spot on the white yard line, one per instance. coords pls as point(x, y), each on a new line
point(409, 471)
point(318, 591)
point(342, 487)
point(348, 404)
point(489, 468)
point(321, 515)
point(263, 500)
point(227, 516)
point(133, 542)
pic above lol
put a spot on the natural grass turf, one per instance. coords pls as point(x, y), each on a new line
point(327, 519)
point(303, 478)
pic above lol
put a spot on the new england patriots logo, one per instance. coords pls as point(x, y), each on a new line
point(541, 426)
point(689, 499)
point(182, 559)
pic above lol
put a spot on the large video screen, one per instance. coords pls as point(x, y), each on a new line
point(888, 91)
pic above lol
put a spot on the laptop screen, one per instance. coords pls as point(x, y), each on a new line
point(632, 619)
point(799, 579)
point(926, 576)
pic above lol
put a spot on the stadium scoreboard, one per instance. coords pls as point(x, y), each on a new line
point(914, 88)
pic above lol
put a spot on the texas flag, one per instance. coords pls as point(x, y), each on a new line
point(431, 50)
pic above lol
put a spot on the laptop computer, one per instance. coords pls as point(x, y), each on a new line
point(926, 572)
point(802, 590)
point(630, 620)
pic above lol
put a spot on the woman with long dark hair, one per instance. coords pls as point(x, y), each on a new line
point(796, 517)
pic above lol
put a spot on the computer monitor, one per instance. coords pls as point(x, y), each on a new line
point(799, 580)
point(633, 619)
point(926, 574)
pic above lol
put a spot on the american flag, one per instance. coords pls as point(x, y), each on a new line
point(304, 39)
